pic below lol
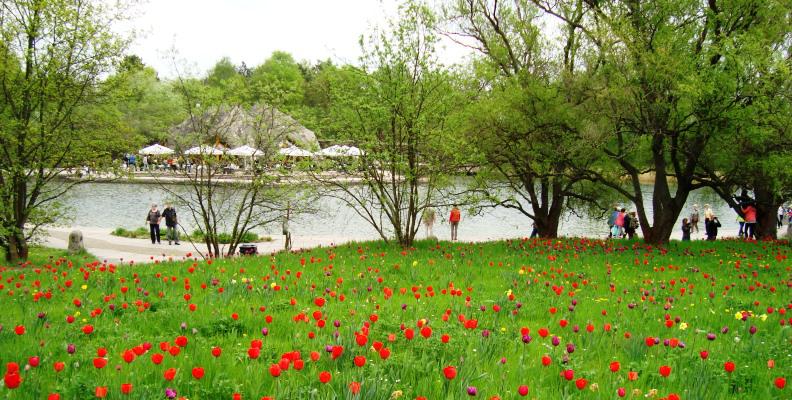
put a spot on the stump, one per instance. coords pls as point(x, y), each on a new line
point(76, 244)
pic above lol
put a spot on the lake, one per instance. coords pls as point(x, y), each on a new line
point(113, 205)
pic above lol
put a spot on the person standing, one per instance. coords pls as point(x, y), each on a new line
point(145, 163)
point(428, 218)
point(171, 222)
point(781, 213)
point(694, 218)
point(749, 213)
point(618, 225)
point(534, 230)
point(287, 242)
point(711, 225)
point(686, 227)
point(630, 224)
point(612, 220)
point(153, 219)
point(741, 221)
point(454, 219)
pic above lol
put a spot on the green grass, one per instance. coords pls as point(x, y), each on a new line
point(624, 291)
point(40, 255)
point(196, 236)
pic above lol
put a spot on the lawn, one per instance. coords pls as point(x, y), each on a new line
point(577, 319)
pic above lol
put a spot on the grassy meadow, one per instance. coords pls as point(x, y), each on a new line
point(538, 319)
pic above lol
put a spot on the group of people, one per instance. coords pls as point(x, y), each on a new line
point(154, 217)
point(133, 162)
point(430, 216)
point(711, 223)
point(622, 224)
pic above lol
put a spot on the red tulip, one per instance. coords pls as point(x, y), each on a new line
point(88, 329)
point(360, 361)
point(101, 392)
point(33, 361)
point(181, 341)
point(156, 358)
point(665, 370)
point(546, 360)
point(275, 370)
point(58, 366)
point(729, 366)
point(704, 354)
point(54, 396)
point(621, 392)
point(198, 372)
point(216, 351)
point(445, 338)
point(581, 383)
point(780, 382)
point(615, 366)
point(169, 374)
point(99, 362)
point(12, 380)
point(254, 352)
point(324, 377)
point(19, 330)
point(384, 353)
point(426, 332)
point(569, 374)
point(450, 372)
point(632, 375)
point(523, 390)
point(126, 388)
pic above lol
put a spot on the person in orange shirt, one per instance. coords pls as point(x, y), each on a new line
point(454, 219)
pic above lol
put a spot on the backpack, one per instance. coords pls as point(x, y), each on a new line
point(633, 223)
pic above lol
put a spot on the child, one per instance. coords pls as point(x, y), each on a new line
point(686, 226)
point(694, 218)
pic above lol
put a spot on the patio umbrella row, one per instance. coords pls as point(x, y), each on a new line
point(247, 151)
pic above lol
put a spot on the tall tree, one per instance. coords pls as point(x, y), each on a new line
point(395, 108)
point(529, 123)
point(53, 55)
point(672, 79)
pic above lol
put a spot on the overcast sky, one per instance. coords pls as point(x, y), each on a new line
point(203, 31)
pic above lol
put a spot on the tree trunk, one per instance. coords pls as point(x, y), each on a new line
point(547, 226)
point(17, 249)
point(767, 204)
point(660, 232)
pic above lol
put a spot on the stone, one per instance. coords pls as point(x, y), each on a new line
point(76, 244)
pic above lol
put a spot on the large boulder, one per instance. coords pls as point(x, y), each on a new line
point(260, 126)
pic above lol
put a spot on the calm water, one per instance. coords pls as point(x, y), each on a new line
point(112, 205)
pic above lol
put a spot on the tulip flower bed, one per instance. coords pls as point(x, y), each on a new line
point(576, 319)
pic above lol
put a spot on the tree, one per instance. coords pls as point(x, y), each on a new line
point(529, 122)
point(53, 55)
point(280, 78)
point(395, 108)
point(148, 106)
point(672, 78)
point(759, 149)
point(217, 205)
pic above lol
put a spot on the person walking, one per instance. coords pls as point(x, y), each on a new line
point(428, 218)
point(781, 212)
point(612, 220)
point(534, 230)
point(153, 219)
point(694, 218)
point(711, 225)
point(686, 227)
point(171, 222)
point(749, 213)
point(454, 219)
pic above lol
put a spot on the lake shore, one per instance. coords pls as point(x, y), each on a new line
point(119, 250)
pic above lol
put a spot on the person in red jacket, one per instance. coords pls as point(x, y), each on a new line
point(749, 214)
point(454, 219)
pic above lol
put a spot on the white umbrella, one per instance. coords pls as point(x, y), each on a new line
point(294, 151)
point(204, 150)
point(155, 150)
point(341, 151)
point(245, 151)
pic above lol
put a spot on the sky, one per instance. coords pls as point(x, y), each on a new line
point(204, 31)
